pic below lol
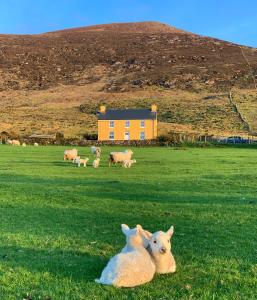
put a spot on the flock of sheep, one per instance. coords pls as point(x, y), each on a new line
point(143, 255)
point(18, 143)
point(125, 157)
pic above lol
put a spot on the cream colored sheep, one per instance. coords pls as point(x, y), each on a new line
point(120, 157)
point(133, 266)
point(9, 142)
point(160, 250)
point(70, 154)
point(24, 145)
point(96, 163)
point(35, 144)
point(16, 143)
point(83, 161)
point(128, 163)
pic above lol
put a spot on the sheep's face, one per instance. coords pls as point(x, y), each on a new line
point(135, 237)
point(160, 242)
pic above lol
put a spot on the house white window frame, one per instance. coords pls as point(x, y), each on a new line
point(142, 132)
point(127, 126)
point(128, 136)
point(111, 122)
point(142, 121)
point(111, 133)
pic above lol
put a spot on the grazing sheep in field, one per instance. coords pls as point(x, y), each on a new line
point(9, 142)
point(82, 161)
point(128, 163)
point(24, 145)
point(96, 150)
point(96, 163)
point(70, 154)
point(120, 157)
point(16, 143)
point(76, 159)
point(36, 144)
point(160, 250)
point(133, 266)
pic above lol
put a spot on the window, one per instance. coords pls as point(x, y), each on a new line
point(127, 136)
point(142, 135)
point(111, 135)
point(111, 124)
point(127, 124)
point(142, 124)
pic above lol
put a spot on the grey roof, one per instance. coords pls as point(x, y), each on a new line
point(127, 114)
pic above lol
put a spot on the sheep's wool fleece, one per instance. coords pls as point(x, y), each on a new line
point(128, 269)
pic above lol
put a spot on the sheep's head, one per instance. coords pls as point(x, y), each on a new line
point(135, 237)
point(160, 241)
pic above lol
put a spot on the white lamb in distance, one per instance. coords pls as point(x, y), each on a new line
point(96, 163)
point(16, 143)
point(128, 163)
point(133, 266)
point(76, 159)
point(96, 150)
point(24, 145)
point(9, 142)
point(160, 250)
point(82, 161)
point(35, 144)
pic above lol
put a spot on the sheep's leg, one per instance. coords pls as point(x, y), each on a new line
point(79, 164)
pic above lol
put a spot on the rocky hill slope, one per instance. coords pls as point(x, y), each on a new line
point(131, 64)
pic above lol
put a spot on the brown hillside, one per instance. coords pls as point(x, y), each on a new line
point(129, 62)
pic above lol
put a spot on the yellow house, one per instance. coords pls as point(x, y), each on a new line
point(127, 124)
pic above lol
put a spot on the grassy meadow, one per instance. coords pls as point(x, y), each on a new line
point(60, 224)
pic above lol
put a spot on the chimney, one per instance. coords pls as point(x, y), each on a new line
point(154, 108)
point(102, 109)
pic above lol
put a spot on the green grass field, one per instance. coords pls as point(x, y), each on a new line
point(60, 224)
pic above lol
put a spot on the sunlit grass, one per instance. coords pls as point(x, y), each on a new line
point(60, 224)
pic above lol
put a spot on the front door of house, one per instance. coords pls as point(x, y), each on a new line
point(126, 136)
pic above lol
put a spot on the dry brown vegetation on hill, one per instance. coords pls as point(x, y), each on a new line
point(55, 81)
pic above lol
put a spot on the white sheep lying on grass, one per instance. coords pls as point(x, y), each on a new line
point(133, 266)
point(96, 163)
point(160, 250)
point(35, 144)
point(24, 145)
point(128, 163)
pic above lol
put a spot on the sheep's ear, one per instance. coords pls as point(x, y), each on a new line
point(147, 234)
point(125, 228)
point(170, 231)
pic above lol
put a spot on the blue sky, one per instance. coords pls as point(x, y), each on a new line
point(232, 20)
